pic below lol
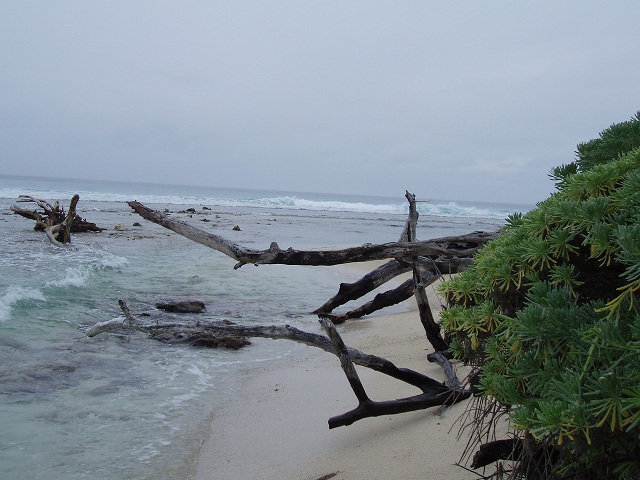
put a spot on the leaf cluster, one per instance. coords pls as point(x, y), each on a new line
point(549, 314)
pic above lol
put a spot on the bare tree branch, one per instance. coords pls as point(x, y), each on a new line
point(460, 246)
point(434, 393)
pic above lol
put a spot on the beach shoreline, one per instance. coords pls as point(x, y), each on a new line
point(275, 426)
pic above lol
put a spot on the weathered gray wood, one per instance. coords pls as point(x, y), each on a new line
point(60, 234)
point(447, 246)
point(393, 407)
point(441, 358)
point(53, 216)
point(372, 280)
point(431, 395)
point(434, 393)
point(274, 332)
point(432, 329)
point(345, 360)
point(432, 269)
point(381, 300)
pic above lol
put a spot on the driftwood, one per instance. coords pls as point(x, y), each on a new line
point(408, 255)
point(447, 246)
point(382, 274)
point(53, 220)
point(431, 269)
point(185, 306)
point(380, 301)
point(488, 453)
point(432, 329)
point(434, 393)
point(447, 254)
point(175, 333)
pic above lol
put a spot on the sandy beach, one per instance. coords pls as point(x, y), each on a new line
point(276, 427)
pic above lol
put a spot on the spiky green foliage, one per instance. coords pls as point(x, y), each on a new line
point(618, 139)
point(614, 141)
point(550, 315)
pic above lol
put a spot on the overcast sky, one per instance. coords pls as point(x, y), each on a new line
point(472, 100)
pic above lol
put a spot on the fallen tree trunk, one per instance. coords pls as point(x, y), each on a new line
point(450, 254)
point(458, 246)
point(433, 392)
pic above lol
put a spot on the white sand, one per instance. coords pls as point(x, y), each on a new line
point(277, 426)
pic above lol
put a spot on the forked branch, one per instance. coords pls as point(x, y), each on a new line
point(458, 246)
point(434, 393)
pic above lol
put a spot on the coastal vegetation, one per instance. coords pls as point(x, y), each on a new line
point(548, 318)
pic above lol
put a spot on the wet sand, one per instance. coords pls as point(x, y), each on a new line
point(276, 427)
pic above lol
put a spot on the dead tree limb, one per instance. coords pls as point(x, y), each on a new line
point(274, 332)
point(447, 246)
point(434, 393)
point(488, 453)
point(380, 301)
point(50, 215)
point(368, 283)
point(377, 277)
point(407, 255)
point(57, 225)
point(368, 408)
point(345, 361)
point(60, 233)
point(432, 329)
point(442, 359)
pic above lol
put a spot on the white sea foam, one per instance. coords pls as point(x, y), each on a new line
point(15, 294)
point(73, 277)
point(112, 261)
point(221, 198)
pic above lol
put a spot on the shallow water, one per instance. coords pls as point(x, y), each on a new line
point(126, 406)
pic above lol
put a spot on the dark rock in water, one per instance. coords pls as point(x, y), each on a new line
point(137, 224)
point(236, 228)
point(206, 208)
point(188, 306)
point(208, 340)
point(190, 210)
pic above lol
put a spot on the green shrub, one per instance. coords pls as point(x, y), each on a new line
point(548, 316)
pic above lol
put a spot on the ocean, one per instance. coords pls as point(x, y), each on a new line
point(127, 406)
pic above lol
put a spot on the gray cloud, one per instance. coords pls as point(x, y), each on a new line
point(466, 101)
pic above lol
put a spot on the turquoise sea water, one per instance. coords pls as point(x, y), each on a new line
point(124, 407)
